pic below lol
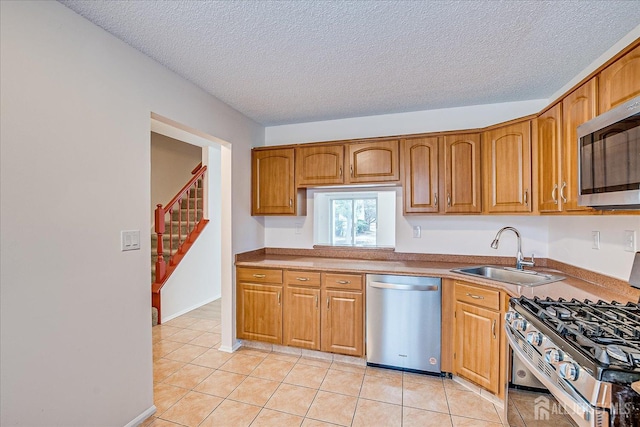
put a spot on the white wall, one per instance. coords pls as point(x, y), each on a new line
point(570, 242)
point(75, 170)
point(476, 116)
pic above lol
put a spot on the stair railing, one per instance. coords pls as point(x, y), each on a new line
point(185, 224)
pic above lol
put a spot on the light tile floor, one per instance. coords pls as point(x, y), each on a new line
point(197, 385)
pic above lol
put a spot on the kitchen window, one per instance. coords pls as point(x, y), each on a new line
point(361, 219)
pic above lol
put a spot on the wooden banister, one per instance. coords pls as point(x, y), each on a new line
point(193, 224)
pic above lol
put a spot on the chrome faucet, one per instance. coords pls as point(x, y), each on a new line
point(520, 261)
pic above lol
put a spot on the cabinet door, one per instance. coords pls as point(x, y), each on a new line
point(374, 162)
point(421, 175)
point(259, 312)
point(273, 187)
point(577, 107)
point(549, 135)
point(620, 81)
point(507, 174)
point(302, 317)
point(462, 179)
point(342, 322)
point(477, 349)
point(319, 165)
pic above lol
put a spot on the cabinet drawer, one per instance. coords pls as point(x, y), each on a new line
point(479, 296)
point(258, 275)
point(342, 281)
point(302, 278)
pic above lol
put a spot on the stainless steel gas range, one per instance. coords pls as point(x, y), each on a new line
point(586, 354)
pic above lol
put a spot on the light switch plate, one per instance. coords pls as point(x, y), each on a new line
point(417, 232)
point(130, 240)
point(595, 240)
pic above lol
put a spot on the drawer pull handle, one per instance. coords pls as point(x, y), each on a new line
point(343, 282)
point(475, 296)
point(493, 329)
point(303, 279)
point(259, 276)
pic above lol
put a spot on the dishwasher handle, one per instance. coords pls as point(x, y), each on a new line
point(399, 287)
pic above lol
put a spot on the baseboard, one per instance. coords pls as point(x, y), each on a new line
point(143, 416)
point(231, 349)
point(186, 310)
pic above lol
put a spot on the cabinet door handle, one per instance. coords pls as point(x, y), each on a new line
point(303, 279)
point(278, 297)
point(343, 282)
point(259, 276)
point(327, 303)
point(316, 301)
point(448, 199)
point(493, 329)
point(564, 185)
point(553, 194)
point(435, 199)
point(526, 197)
point(340, 171)
point(351, 170)
point(290, 203)
point(475, 296)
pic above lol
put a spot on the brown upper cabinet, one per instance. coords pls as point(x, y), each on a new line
point(372, 162)
point(577, 107)
point(319, 165)
point(506, 158)
point(273, 186)
point(442, 175)
point(548, 128)
point(620, 81)
point(461, 172)
point(421, 175)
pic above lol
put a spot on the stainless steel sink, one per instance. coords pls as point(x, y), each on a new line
point(509, 275)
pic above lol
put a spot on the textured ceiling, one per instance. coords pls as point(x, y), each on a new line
point(282, 62)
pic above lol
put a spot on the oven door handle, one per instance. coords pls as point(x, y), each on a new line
point(580, 408)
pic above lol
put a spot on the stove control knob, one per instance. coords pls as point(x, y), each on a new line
point(520, 324)
point(553, 355)
point(511, 316)
point(568, 371)
point(534, 338)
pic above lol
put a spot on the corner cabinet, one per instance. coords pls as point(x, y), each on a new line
point(479, 345)
point(259, 304)
point(506, 157)
point(273, 187)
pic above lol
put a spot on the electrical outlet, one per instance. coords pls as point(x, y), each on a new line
point(595, 240)
point(417, 232)
point(298, 228)
point(629, 240)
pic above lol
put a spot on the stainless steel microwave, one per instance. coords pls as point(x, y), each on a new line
point(609, 159)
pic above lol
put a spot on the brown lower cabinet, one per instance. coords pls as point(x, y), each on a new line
point(311, 310)
point(479, 345)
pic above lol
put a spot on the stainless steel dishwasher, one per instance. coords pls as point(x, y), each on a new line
point(403, 322)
